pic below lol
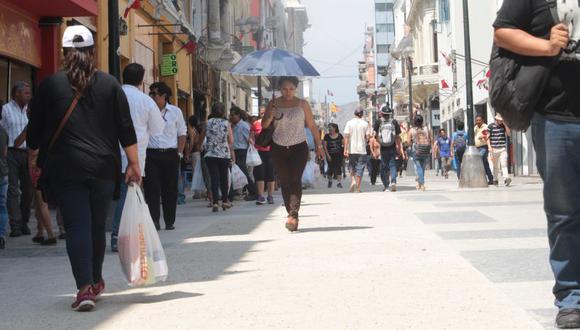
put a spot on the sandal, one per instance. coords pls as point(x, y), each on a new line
point(38, 239)
point(215, 208)
point(226, 206)
point(292, 224)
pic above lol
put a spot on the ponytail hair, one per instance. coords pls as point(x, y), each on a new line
point(79, 65)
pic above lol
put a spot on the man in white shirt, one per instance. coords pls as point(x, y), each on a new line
point(14, 120)
point(163, 156)
point(356, 135)
point(147, 121)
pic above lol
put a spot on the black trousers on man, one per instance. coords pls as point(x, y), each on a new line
point(160, 184)
point(19, 190)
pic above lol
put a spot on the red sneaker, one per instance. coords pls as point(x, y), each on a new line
point(98, 288)
point(85, 301)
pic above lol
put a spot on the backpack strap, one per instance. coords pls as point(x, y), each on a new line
point(553, 6)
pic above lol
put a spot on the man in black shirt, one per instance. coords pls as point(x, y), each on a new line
point(388, 134)
point(528, 29)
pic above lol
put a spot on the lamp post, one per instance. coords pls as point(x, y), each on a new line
point(410, 74)
point(472, 171)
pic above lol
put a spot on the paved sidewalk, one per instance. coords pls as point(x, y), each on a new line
point(443, 259)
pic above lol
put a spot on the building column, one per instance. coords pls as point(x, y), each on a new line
point(50, 33)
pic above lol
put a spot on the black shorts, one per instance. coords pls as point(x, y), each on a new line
point(265, 172)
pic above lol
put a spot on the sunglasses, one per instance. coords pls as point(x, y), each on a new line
point(153, 94)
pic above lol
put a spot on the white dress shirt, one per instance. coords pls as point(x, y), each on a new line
point(147, 121)
point(174, 128)
point(14, 120)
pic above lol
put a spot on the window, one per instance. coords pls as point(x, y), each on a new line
point(390, 28)
point(381, 7)
point(383, 49)
point(443, 10)
point(146, 57)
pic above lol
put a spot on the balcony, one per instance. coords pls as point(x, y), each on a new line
point(425, 82)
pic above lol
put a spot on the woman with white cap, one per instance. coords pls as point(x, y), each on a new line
point(78, 118)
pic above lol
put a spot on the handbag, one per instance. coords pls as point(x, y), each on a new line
point(253, 158)
point(42, 184)
point(264, 139)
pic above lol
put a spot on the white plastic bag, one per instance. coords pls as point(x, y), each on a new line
point(253, 158)
point(239, 179)
point(197, 183)
point(308, 176)
point(140, 251)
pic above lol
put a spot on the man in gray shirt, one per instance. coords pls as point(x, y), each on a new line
point(241, 130)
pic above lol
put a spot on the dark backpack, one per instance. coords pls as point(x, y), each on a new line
point(516, 84)
point(459, 144)
point(387, 133)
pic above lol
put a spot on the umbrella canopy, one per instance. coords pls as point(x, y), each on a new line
point(274, 62)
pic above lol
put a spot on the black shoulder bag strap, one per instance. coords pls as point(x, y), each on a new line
point(553, 6)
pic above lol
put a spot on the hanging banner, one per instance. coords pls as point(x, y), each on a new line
point(169, 65)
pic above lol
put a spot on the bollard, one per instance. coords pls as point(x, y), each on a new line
point(472, 171)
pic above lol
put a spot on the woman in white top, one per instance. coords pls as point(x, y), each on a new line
point(290, 114)
point(219, 153)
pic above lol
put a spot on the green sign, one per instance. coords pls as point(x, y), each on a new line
point(169, 65)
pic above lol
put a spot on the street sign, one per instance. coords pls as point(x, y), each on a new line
point(435, 117)
point(169, 65)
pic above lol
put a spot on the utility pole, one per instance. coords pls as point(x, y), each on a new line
point(468, 74)
point(114, 43)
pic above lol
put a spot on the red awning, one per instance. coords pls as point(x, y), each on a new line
point(58, 8)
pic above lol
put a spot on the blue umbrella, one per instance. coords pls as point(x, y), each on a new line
point(274, 62)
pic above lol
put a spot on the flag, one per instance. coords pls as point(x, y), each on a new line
point(444, 84)
point(133, 4)
point(190, 47)
point(334, 108)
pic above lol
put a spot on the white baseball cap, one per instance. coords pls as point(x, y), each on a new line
point(74, 31)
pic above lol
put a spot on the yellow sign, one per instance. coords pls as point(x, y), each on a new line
point(169, 65)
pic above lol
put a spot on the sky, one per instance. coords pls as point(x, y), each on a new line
point(334, 45)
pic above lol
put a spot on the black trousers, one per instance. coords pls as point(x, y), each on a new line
point(289, 163)
point(374, 169)
point(219, 172)
point(19, 189)
point(160, 183)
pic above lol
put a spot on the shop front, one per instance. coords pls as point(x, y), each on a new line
point(30, 38)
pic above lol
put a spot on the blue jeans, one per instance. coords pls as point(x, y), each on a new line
point(3, 205)
point(420, 164)
point(84, 206)
point(388, 162)
point(484, 152)
point(557, 145)
point(119, 209)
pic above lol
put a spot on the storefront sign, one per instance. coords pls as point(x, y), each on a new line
point(169, 65)
point(19, 36)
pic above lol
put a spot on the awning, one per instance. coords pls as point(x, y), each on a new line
point(61, 8)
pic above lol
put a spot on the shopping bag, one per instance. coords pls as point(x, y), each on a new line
point(253, 158)
point(140, 251)
point(239, 179)
point(308, 176)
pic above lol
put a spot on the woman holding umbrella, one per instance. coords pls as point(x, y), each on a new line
point(289, 115)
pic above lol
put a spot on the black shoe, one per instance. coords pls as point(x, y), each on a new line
point(114, 243)
point(170, 227)
point(49, 241)
point(25, 231)
point(2, 243)
point(568, 319)
point(329, 184)
point(157, 226)
point(490, 183)
point(38, 239)
point(250, 198)
point(15, 233)
point(62, 236)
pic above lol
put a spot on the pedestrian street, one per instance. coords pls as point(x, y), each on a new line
point(443, 259)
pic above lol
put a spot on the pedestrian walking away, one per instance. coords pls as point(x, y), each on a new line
point(264, 173)
point(527, 28)
point(289, 115)
point(374, 163)
point(219, 154)
point(481, 133)
point(356, 135)
point(458, 146)
point(164, 154)
point(79, 158)
point(498, 150)
point(14, 121)
point(421, 144)
point(147, 122)
point(388, 134)
point(443, 148)
point(334, 148)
